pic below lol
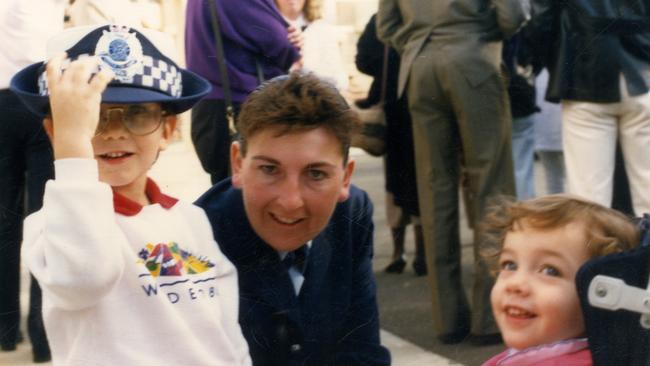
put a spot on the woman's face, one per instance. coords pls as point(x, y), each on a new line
point(290, 9)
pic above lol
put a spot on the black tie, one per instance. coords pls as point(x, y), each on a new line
point(296, 259)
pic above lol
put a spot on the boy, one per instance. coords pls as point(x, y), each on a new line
point(130, 276)
point(537, 247)
point(298, 232)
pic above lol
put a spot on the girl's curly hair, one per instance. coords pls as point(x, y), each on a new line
point(607, 230)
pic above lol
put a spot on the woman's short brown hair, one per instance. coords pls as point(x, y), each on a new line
point(607, 230)
point(297, 102)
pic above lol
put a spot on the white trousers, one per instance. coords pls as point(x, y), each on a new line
point(589, 133)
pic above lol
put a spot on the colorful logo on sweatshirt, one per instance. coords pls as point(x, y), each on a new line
point(170, 260)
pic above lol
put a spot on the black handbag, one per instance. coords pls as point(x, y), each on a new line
point(225, 81)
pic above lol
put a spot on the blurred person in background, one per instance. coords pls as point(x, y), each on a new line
point(26, 162)
point(258, 44)
point(598, 62)
point(451, 70)
point(321, 52)
point(548, 137)
point(523, 107)
point(537, 124)
point(162, 15)
point(402, 206)
point(88, 12)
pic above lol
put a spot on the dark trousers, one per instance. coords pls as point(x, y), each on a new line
point(26, 163)
point(622, 197)
point(211, 137)
point(461, 131)
point(400, 157)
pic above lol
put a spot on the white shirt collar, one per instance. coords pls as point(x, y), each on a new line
point(299, 22)
point(283, 254)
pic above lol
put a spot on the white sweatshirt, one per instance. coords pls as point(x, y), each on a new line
point(122, 287)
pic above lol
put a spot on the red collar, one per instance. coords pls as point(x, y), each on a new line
point(127, 207)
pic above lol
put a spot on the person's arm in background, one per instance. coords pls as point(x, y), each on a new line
point(370, 50)
point(511, 15)
point(259, 28)
point(540, 33)
point(369, 60)
point(389, 20)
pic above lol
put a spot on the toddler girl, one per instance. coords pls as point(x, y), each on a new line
point(537, 246)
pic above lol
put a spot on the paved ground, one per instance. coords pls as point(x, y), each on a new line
point(404, 300)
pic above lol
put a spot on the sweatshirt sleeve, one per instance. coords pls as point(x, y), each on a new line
point(72, 245)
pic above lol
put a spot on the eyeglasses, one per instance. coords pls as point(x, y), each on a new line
point(138, 120)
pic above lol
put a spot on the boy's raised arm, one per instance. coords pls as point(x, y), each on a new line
point(63, 241)
point(75, 97)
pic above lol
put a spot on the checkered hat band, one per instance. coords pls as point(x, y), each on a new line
point(154, 74)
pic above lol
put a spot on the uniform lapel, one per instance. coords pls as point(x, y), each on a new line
point(318, 262)
point(275, 285)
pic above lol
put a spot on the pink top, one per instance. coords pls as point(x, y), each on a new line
point(570, 352)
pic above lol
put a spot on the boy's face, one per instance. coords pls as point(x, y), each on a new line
point(125, 155)
point(534, 299)
point(290, 183)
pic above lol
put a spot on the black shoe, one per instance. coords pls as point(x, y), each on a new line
point(454, 337)
point(42, 357)
point(485, 339)
point(396, 266)
point(420, 267)
point(9, 346)
point(41, 352)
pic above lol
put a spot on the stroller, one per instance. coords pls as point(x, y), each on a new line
point(614, 294)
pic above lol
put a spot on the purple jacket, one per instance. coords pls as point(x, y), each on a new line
point(251, 29)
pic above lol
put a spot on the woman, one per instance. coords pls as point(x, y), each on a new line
point(402, 206)
point(321, 52)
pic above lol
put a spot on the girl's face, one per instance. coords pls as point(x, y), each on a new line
point(534, 299)
point(290, 8)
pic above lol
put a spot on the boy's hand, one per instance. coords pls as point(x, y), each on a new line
point(75, 99)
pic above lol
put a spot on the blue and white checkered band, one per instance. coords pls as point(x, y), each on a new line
point(121, 51)
point(160, 75)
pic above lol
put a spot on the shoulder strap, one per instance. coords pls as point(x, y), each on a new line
point(225, 81)
point(260, 72)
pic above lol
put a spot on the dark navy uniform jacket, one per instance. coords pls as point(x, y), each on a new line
point(334, 320)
